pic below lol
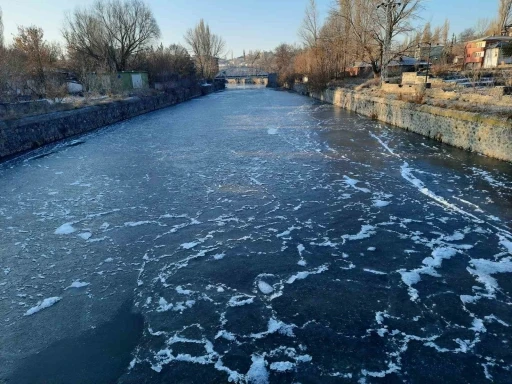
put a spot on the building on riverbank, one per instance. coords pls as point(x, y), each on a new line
point(487, 52)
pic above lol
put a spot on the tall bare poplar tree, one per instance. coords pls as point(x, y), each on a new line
point(1, 30)
point(504, 14)
point(310, 28)
point(206, 47)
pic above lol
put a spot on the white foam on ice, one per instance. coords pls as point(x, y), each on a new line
point(65, 229)
point(276, 326)
point(288, 231)
point(46, 303)
point(163, 305)
point(240, 300)
point(78, 284)
point(413, 277)
point(190, 245)
point(258, 373)
point(506, 243)
point(353, 183)
point(181, 291)
point(484, 269)
point(365, 232)
point(138, 223)
point(282, 366)
point(407, 175)
point(380, 203)
point(374, 271)
point(487, 177)
point(302, 275)
point(383, 144)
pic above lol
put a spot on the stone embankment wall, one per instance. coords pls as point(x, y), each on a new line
point(23, 134)
point(491, 136)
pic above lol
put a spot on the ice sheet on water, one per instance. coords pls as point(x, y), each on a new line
point(48, 302)
point(65, 229)
point(265, 288)
point(78, 284)
point(85, 235)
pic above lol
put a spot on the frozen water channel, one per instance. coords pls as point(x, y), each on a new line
point(255, 236)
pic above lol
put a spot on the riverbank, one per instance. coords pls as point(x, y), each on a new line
point(488, 135)
point(20, 135)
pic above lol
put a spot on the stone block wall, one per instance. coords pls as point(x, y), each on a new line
point(467, 130)
point(21, 135)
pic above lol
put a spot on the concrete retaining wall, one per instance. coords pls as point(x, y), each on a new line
point(471, 131)
point(20, 135)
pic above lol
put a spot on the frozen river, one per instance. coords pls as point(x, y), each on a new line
point(255, 236)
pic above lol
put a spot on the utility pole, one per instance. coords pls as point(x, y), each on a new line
point(388, 6)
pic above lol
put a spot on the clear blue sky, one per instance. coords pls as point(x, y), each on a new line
point(244, 24)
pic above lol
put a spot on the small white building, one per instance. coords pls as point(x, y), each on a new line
point(494, 56)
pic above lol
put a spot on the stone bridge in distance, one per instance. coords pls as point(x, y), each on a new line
point(247, 75)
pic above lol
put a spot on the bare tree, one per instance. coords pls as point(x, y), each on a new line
point(426, 36)
point(284, 56)
point(504, 14)
point(111, 31)
point(39, 57)
point(445, 31)
point(310, 28)
point(206, 47)
point(375, 24)
point(482, 27)
point(252, 57)
point(1, 30)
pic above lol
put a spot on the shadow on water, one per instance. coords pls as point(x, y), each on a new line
point(100, 355)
